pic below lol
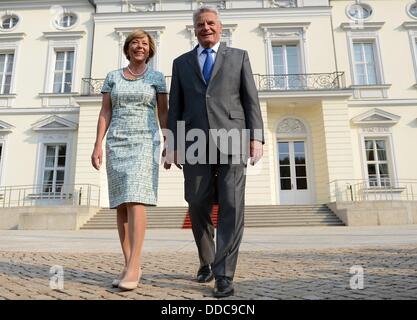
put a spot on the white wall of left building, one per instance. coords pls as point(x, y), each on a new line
point(32, 116)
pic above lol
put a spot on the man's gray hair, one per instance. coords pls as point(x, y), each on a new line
point(205, 8)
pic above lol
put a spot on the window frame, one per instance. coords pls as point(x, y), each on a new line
point(287, 83)
point(11, 47)
point(5, 73)
point(49, 137)
point(55, 167)
point(362, 5)
point(54, 48)
point(411, 27)
point(6, 16)
point(375, 63)
point(353, 38)
point(377, 162)
point(390, 152)
point(285, 33)
point(409, 10)
point(62, 16)
point(63, 71)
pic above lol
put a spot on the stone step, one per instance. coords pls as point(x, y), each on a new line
point(247, 223)
point(289, 224)
point(255, 216)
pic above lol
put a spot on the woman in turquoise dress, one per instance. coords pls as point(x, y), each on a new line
point(132, 99)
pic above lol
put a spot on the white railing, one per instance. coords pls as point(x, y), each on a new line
point(41, 195)
point(365, 190)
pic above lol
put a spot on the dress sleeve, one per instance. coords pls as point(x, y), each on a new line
point(108, 83)
point(160, 84)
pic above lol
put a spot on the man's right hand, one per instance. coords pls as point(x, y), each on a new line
point(172, 157)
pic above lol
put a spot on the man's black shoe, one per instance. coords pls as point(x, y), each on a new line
point(205, 274)
point(223, 287)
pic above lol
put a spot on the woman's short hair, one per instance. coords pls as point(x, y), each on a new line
point(139, 34)
point(205, 8)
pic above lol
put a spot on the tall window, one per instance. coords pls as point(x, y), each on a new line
point(377, 163)
point(365, 67)
point(54, 167)
point(63, 71)
point(6, 69)
point(286, 60)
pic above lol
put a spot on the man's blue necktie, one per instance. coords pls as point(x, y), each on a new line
point(208, 64)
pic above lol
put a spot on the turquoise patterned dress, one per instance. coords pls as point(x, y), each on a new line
point(133, 144)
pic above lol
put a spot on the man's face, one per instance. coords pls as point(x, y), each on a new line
point(208, 29)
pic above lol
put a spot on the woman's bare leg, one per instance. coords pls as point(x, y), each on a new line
point(136, 214)
point(122, 227)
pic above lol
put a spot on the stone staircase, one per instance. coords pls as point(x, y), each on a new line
point(255, 216)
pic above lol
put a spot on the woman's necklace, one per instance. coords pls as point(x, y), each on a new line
point(137, 74)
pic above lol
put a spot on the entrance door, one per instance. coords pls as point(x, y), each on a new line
point(292, 169)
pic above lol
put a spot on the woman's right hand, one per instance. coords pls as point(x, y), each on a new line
point(97, 157)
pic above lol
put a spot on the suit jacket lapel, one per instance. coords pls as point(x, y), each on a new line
point(193, 61)
point(219, 60)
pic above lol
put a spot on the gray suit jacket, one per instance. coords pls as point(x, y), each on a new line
point(229, 101)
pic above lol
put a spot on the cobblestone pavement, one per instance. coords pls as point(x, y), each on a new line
point(389, 273)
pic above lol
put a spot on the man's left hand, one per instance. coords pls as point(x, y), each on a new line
point(256, 151)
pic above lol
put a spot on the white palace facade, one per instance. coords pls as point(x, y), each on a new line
point(337, 83)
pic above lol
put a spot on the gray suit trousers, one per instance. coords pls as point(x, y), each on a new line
point(199, 192)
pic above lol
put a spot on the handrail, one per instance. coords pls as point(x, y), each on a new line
point(263, 82)
point(48, 194)
point(383, 189)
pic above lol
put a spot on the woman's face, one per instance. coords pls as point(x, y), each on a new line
point(139, 49)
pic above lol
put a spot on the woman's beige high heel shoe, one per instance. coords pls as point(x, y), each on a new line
point(129, 285)
point(115, 283)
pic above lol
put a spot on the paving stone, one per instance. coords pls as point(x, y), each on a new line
point(317, 274)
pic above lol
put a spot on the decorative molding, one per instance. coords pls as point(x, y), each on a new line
point(12, 36)
point(142, 7)
point(238, 13)
point(376, 117)
point(58, 99)
point(284, 26)
point(219, 4)
point(54, 123)
point(375, 129)
point(363, 26)
point(410, 25)
point(45, 4)
point(7, 100)
point(291, 126)
point(370, 91)
point(49, 110)
point(380, 103)
point(310, 94)
point(64, 35)
point(5, 127)
point(282, 3)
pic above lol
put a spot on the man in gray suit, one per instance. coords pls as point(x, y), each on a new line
point(212, 90)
